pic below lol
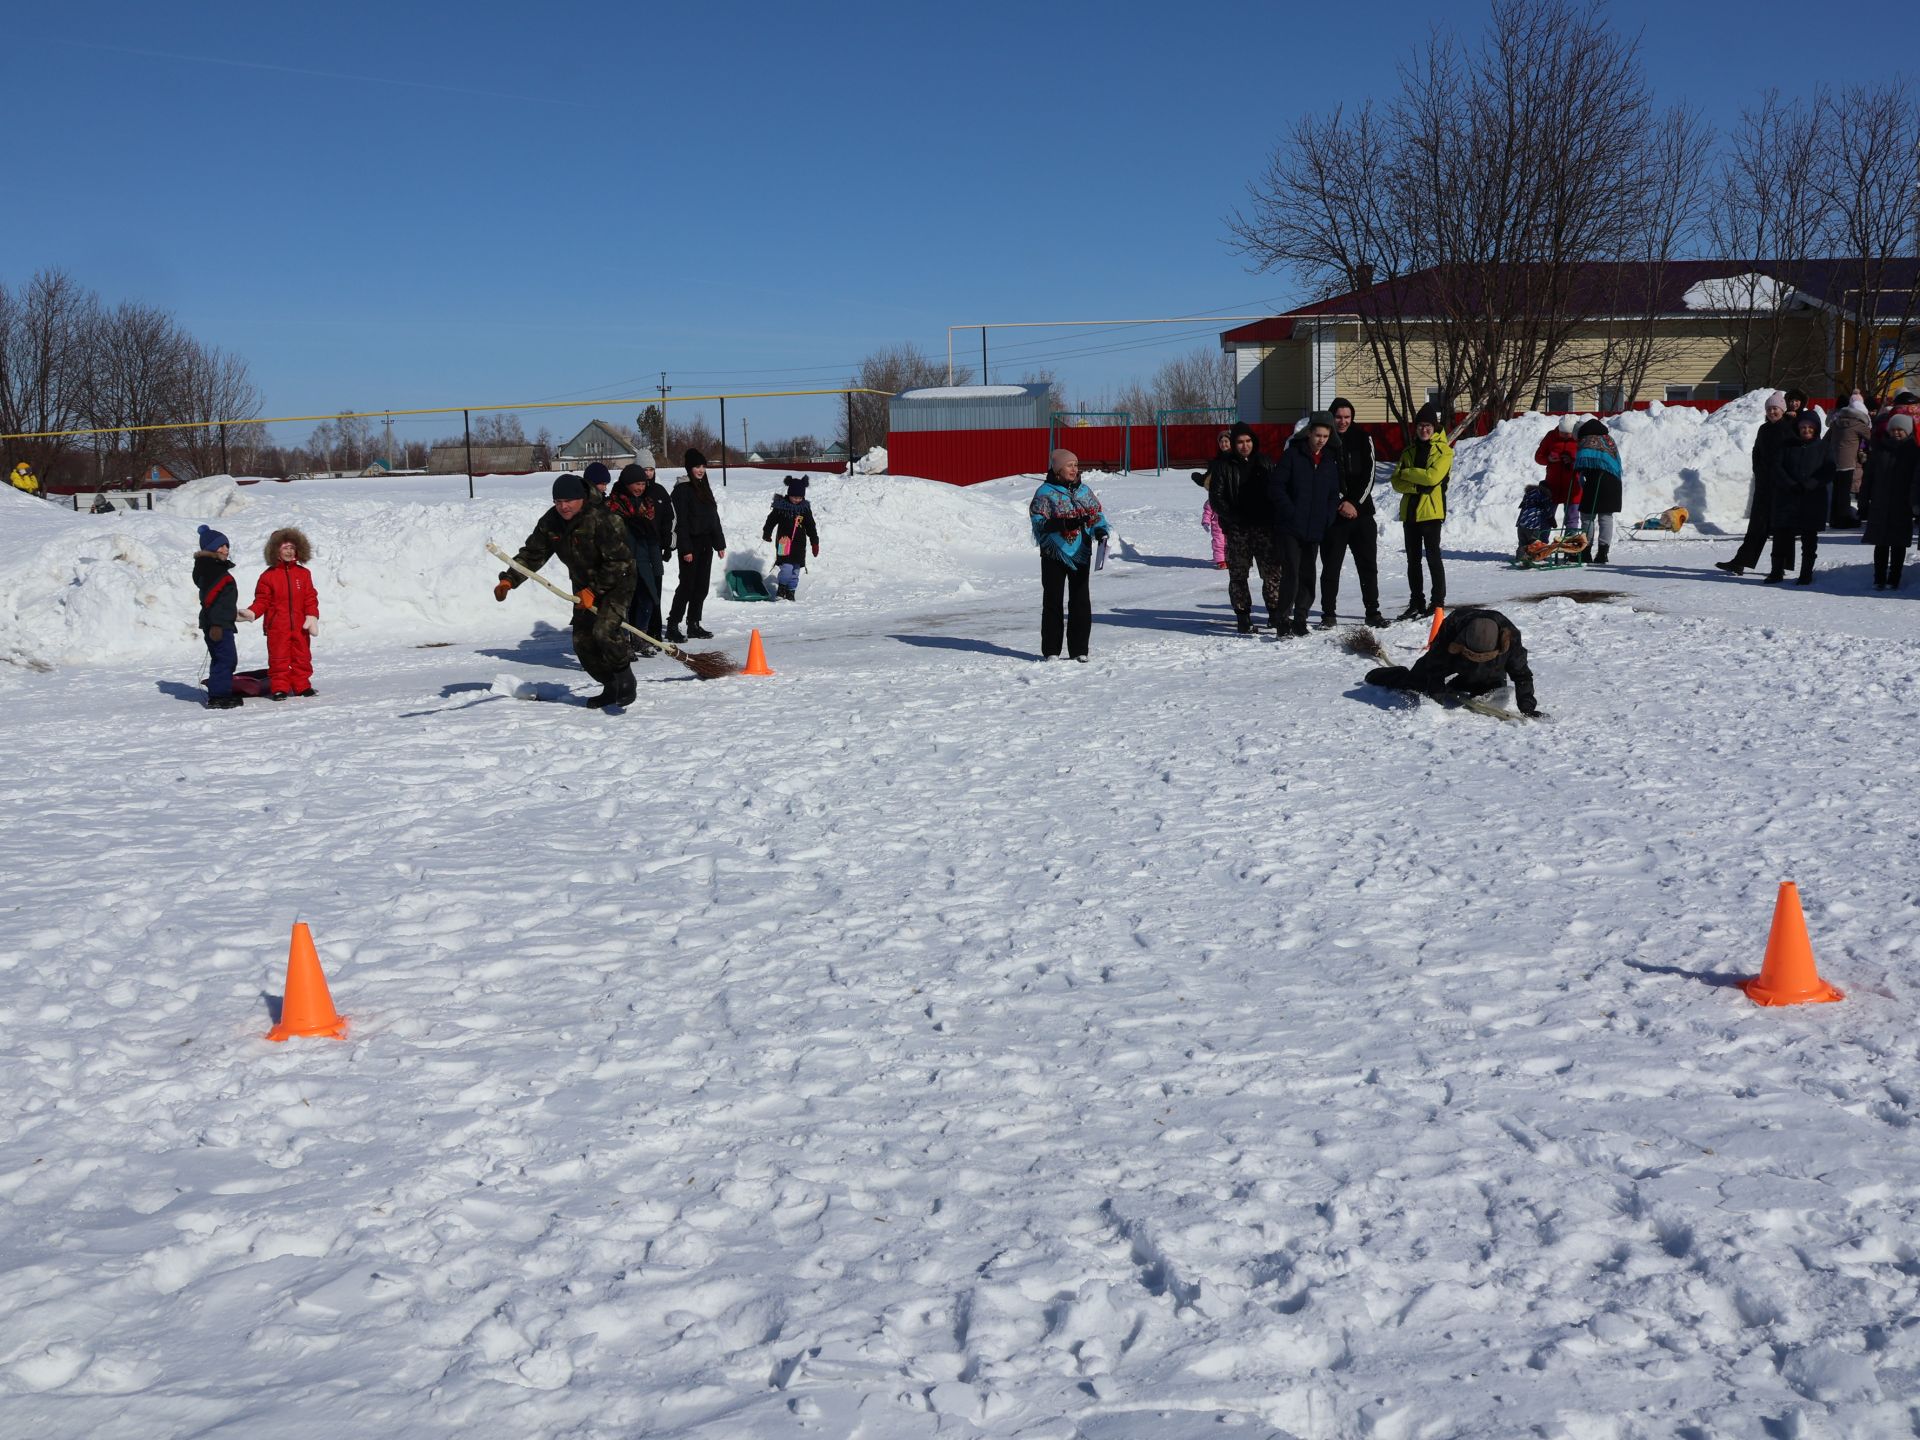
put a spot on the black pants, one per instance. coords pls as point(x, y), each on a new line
point(598, 639)
point(1759, 527)
point(1360, 536)
point(1783, 551)
point(1424, 535)
point(643, 613)
point(1298, 559)
point(1888, 561)
point(696, 578)
point(1247, 546)
point(1841, 511)
point(1060, 582)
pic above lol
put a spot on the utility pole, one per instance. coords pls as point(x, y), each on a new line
point(745, 448)
point(664, 388)
point(390, 464)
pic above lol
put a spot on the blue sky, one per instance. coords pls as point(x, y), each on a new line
point(395, 206)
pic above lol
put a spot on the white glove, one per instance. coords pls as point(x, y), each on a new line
point(244, 616)
point(311, 625)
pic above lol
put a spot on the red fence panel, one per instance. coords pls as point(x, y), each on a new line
point(966, 457)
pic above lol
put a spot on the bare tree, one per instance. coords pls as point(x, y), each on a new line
point(502, 427)
point(1867, 184)
point(890, 370)
point(1479, 204)
point(214, 386)
point(46, 331)
point(1764, 214)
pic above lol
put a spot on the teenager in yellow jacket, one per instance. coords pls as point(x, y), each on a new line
point(1421, 478)
point(24, 479)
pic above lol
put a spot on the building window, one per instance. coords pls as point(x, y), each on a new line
point(1679, 392)
point(1559, 399)
point(1613, 399)
point(1730, 392)
point(1438, 400)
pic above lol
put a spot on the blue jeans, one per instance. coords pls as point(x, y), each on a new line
point(222, 655)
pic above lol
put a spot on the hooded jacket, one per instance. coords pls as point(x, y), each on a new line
point(1420, 475)
point(284, 596)
point(1802, 473)
point(1556, 451)
point(1847, 432)
point(1354, 453)
point(792, 521)
point(1304, 493)
point(1443, 668)
point(1237, 487)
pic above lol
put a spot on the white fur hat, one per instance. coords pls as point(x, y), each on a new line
point(1569, 423)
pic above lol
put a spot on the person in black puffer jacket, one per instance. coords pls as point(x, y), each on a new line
point(1305, 490)
point(1354, 527)
point(1889, 488)
point(1237, 489)
point(696, 516)
point(1767, 443)
point(1802, 473)
point(790, 526)
point(646, 510)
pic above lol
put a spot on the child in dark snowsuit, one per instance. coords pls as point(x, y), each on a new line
point(219, 612)
point(1536, 517)
point(791, 520)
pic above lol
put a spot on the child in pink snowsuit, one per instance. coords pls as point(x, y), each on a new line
point(1211, 524)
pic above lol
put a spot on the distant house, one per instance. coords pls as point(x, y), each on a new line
point(1290, 364)
point(596, 442)
point(487, 459)
point(161, 477)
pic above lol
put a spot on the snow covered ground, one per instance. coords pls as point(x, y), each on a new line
point(929, 1041)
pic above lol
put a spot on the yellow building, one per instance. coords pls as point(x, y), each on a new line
point(1696, 319)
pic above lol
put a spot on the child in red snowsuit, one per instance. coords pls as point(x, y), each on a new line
point(286, 601)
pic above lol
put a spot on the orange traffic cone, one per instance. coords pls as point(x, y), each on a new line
point(1433, 630)
point(756, 658)
point(307, 1007)
point(1788, 975)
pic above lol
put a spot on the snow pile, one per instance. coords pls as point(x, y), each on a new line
point(79, 589)
point(874, 462)
point(1669, 455)
point(208, 498)
point(1751, 291)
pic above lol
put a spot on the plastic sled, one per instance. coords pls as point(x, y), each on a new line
point(748, 585)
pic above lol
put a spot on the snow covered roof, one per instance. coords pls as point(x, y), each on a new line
point(967, 392)
point(971, 407)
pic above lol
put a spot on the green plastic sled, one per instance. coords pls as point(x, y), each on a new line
point(748, 585)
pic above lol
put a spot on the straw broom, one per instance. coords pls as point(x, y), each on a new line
point(705, 664)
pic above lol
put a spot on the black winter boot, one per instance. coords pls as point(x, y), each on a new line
point(673, 635)
point(1243, 623)
point(1600, 556)
point(1374, 617)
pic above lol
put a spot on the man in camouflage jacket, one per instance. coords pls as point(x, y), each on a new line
point(592, 543)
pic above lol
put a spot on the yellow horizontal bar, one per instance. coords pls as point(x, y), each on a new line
point(653, 399)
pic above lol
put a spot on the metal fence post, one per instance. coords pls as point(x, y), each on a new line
point(466, 421)
point(723, 442)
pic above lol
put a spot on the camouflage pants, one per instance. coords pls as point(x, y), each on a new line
point(1248, 546)
point(598, 639)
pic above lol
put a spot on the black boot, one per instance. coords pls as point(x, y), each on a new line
point(1732, 567)
point(673, 635)
point(1326, 621)
point(1374, 617)
point(1600, 556)
point(1243, 622)
point(695, 632)
point(1416, 607)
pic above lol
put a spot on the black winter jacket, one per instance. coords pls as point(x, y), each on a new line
point(1802, 473)
point(1889, 491)
point(1305, 495)
point(792, 521)
point(219, 593)
point(1238, 490)
point(1440, 669)
point(1767, 445)
point(648, 517)
point(696, 517)
point(1354, 451)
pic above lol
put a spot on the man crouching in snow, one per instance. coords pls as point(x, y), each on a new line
point(1476, 651)
point(592, 543)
